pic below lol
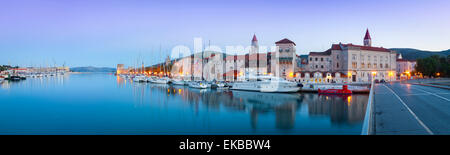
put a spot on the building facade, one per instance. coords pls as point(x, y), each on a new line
point(222, 67)
point(351, 63)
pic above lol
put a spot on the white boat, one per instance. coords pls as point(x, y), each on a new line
point(218, 85)
point(267, 84)
point(140, 78)
point(177, 82)
point(198, 85)
point(163, 80)
point(1, 80)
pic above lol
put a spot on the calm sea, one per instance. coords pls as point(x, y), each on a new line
point(97, 103)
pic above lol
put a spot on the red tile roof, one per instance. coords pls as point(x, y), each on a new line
point(368, 48)
point(285, 41)
point(404, 60)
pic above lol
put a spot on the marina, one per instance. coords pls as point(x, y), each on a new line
point(223, 76)
point(99, 103)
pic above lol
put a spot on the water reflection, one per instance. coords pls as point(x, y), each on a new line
point(40, 82)
point(285, 108)
point(103, 104)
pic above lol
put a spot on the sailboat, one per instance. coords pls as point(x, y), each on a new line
point(164, 79)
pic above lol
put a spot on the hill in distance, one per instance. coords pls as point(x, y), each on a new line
point(93, 69)
point(414, 54)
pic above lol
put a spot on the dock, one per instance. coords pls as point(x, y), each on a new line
point(410, 108)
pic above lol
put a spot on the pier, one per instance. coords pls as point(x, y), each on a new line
point(410, 108)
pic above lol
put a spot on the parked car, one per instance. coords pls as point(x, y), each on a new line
point(382, 81)
point(377, 81)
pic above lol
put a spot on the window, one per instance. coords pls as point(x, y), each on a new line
point(316, 59)
point(337, 65)
point(317, 66)
point(381, 65)
point(362, 65)
point(337, 56)
point(375, 58)
point(369, 65)
point(310, 59)
point(286, 50)
point(281, 50)
point(374, 65)
point(321, 66)
point(386, 66)
point(368, 57)
point(362, 57)
point(321, 59)
point(354, 65)
point(353, 56)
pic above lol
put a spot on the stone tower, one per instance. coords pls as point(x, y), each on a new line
point(254, 45)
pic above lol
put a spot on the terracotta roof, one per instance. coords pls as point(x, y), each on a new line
point(336, 47)
point(367, 35)
point(404, 60)
point(368, 48)
point(285, 41)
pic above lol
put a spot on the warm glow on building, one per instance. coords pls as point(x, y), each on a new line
point(391, 73)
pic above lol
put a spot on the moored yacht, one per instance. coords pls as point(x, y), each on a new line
point(199, 85)
point(140, 78)
point(267, 84)
point(162, 80)
point(218, 85)
point(178, 82)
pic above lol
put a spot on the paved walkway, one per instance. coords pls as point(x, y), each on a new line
point(403, 108)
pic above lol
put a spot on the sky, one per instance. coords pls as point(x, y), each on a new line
point(108, 32)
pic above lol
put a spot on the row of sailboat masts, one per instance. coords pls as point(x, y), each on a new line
point(162, 67)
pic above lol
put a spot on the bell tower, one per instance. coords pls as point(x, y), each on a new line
point(367, 39)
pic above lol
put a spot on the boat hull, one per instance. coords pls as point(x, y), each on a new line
point(267, 87)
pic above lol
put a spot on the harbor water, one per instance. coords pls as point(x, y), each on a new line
point(99, 103)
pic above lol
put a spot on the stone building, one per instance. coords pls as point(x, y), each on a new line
point(351, 63)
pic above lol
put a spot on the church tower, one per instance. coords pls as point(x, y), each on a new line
point(367, 39)
point(254, 57)
point(254, 45)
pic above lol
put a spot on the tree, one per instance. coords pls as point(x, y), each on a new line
point(432, 65)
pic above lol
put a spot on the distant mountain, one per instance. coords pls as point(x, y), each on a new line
point(92, 69)
point(414, 54)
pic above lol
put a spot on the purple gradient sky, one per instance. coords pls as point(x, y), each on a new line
point(107, 32)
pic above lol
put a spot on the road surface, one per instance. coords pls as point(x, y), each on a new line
point(407, 109)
